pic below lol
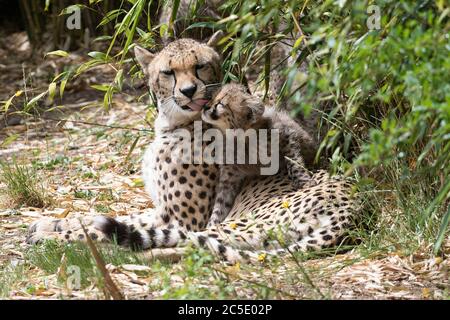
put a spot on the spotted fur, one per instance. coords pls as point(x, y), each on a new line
point(233, 108)
point(269, 214)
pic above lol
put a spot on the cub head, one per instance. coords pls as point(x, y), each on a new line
point(233, 108)
point(183, 76)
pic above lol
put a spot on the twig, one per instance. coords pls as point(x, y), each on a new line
point(96, 124)
point(109, 283)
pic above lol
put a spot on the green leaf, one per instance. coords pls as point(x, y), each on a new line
point(72, 8)
point(442, 195)
point(298, 41)
point(173, 15)
point(51, 90)
point(101, 87)
point(102, 38)
point(442, 231)
point(10, 139)
point(35, 99)
point(163, 30)
point(8, 104)
point(110, 16)
point(62, 86)
point(98, 55)
point(60, 53)
point(119, 79)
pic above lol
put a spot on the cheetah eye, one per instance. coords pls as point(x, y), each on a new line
point(199, 66)
point(219, 106)
point(167, 72)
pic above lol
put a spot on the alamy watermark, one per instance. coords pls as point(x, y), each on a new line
point(234, 146)
point(73, 281)
point(374, 19)
point(73, 21)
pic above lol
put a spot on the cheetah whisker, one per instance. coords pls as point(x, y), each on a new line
point(213, 84)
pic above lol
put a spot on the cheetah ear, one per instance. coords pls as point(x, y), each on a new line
point(144, 57)
point(215, 38)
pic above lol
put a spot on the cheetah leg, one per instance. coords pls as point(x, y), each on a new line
point(69, 229)
point(164, 254)
point(296, 169)
point(63, 230)
point(229, 186)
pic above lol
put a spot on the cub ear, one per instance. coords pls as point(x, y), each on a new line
point(143, 57)
point(215, 38)
point(256, 109)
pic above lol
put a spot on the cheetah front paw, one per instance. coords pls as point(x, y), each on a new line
point(301, 184)
point(65, 230)
point(213, 220)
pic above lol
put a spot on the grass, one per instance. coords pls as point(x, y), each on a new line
point(52, 164)
point(84, 194)
point(57, 258)
point(394, 216)
point(10, 276)
point(22, 185)
point(197, 276)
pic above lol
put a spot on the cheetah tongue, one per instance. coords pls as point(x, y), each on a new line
point(197, 105)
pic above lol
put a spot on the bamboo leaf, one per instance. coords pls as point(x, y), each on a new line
point(35, 100)
point(52, 90)
point(119, 79)
point(101, 87)
point(60, 53)
point(173, 16)
point(10, 139)
point(442, 231)
point(98, 55)
point(62, 86)
point(72, 8)
point(109, 283)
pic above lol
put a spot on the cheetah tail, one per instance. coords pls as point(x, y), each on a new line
point(148, 238)
point(141, 238)
point(138, 238)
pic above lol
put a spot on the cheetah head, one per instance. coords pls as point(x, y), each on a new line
point(233, 108)
point(183, 76)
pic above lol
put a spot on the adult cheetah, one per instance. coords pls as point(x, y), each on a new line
point(183, 76)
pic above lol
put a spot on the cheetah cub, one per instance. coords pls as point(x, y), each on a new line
point(234, 108)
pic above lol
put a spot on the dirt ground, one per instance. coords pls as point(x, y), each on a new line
point(90, 164)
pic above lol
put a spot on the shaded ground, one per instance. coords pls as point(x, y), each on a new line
point(90, 169)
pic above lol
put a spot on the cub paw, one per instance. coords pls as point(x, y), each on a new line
point(213, 220)
point(301, 184)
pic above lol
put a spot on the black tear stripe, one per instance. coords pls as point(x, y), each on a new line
point(195, 68)
point(174, 85)
point(157, 82)
point(215, 73)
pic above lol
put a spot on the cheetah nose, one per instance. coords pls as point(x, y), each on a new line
point(189, 91)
